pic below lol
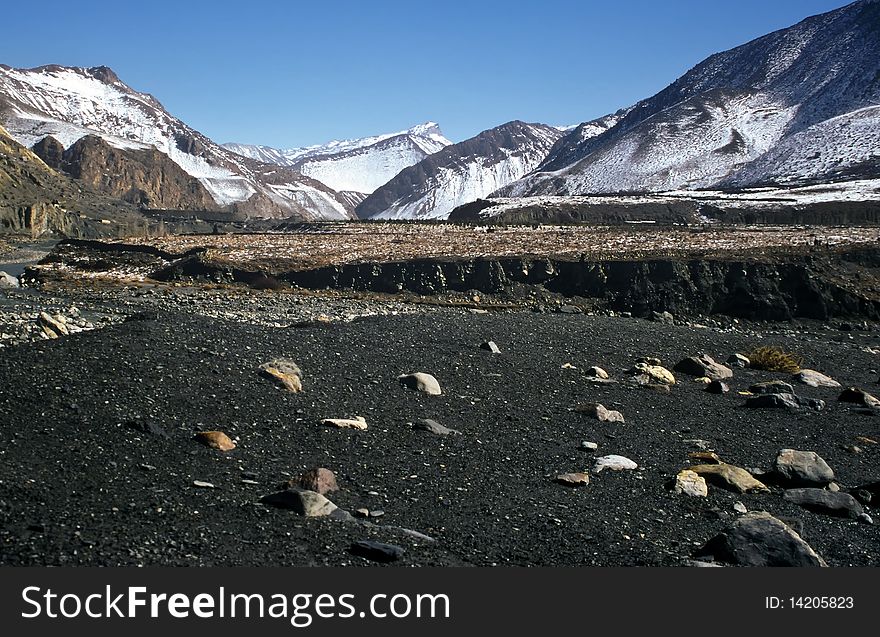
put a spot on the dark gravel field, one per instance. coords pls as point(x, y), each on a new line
point(98, 464)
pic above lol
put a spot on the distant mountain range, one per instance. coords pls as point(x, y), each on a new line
point(358, 165)
point(799, 106)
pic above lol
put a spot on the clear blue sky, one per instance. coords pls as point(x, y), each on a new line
point(291, 73)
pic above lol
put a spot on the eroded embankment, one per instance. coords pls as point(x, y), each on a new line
point(822, 285)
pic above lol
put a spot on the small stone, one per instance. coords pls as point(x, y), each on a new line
point(599, 412)
point(422, 382)
point(738, 360)
point(597, 372)
point(586, 445)
point(362, 513)
point(815, 379)
point(717, 387)
point(773, 401)
point(663, 317)
point(689, 483)
point(215, 440)
point(772, 387)
point(645, 374)
point(202, 484)
point(703, 365)
point(858, 397)
point(613, 463)
point(573, 479)
point(739, 507)
point(569, 309)
point(358, 422)
point(319, 480)
point(649, 360)
point(8, 281)
point(53, 325)
point(376, 551)
point(306, 503)
point(827, 502)
point(759, 539)
point(434, 427)
point(705, 457)
point(285, 373)
point(802, 468)
point(833, 487)
point(490, 346)
point(730, 477)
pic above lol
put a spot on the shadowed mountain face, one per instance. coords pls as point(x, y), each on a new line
point(461, 173)
point(35, 199)
point(799, 105)
point(69, 104)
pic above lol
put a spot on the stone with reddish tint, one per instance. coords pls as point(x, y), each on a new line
point(319, 480)
point(573, 479)
point(215, 440)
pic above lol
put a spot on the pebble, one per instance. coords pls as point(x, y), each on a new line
point(285, 373)
point(597, 372)
point(320, 480)
point(434, 427)
point(215, 440)
point(490, 346)
point(586, 445)
point(815, 379)
point(306, 503)
point(420, 381)
point(827, 502)
point(573, 479)
point(358, 422)
point(202, 484)
point(613, 463)
point(689, 483)
point(703, 365)
point(802, 468)
point(730, 477)
point(376, 551)
point(599, 412)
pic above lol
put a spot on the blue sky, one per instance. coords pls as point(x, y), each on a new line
point(291, 73)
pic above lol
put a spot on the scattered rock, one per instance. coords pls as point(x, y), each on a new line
point(215, 440)
point(201, 484)
point(358, 422)
point(859, 397)
point(597, 372)
point(703, 365)
point(689, 483)
point(8, 281)
point(599, 412)
point(827, 502)
point(739, 507)
point(772, 387)
point(52, 327)
point(376, 551)
point(434, 427)
point(306, 503)
point(490, 346)
point(422, 382)
point(705, 457)
point(362, 513)
point(319, 480)
point(759, 539)
point(802, 468)
point(727, 476)
point(586, 445)
point(815, 379)
point(867, 493)
point(645, 374)
point(613, 463)
point(773, 401)
point(569, 309)
point(738, 360)
point(285, 373)
point(573, 479)
point(717, 387)
point(663, 317)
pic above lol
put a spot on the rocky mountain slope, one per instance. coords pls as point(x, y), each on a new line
point(461, 173)
point(71, 103)
point(358, 165)
point(35, 199)
point(796, 106)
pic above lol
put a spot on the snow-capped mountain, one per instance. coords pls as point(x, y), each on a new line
point(796, 106)
point(357, 165)
point(69, 103)
point(461, 173)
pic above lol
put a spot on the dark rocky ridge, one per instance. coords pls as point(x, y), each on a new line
point(818, 285)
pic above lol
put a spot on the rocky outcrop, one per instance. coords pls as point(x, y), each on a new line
point(145, 178)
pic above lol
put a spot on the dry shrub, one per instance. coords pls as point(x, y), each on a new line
point(774, 359)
